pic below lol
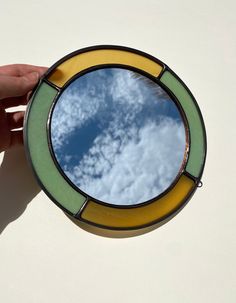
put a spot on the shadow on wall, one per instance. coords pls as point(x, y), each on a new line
point(17, 186)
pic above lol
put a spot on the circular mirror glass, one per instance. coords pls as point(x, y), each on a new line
point(118, 136)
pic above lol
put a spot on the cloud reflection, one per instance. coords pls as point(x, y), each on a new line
point(118, 136)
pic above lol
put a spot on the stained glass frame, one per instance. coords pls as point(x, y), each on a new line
point(51, 178)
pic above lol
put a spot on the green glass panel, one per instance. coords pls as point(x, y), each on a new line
point(40, 155)
point(197, 142)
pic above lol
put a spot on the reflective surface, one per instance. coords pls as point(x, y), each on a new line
point(118, 136)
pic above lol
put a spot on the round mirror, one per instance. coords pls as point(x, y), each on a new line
point(118, 136)
point(116, 139)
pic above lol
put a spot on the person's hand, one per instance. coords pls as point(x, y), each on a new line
point(16, 82)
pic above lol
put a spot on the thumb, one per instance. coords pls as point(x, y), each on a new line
point(32, 77)
point(17, 86)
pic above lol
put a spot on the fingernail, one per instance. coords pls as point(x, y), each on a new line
point(34, 76)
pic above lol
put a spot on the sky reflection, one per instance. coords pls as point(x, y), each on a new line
point(118, 136)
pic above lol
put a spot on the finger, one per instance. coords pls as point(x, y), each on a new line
point(12, 102)
point(18, 70)
point(11, 86)
point(15, 120)
point(16, 138)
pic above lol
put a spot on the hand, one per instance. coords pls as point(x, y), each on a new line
point(16, 82)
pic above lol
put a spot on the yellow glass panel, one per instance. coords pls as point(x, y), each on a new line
point(74, 65)
point(133, 217)
point(112, 233)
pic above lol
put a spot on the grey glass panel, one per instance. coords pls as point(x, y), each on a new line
point(118, 136)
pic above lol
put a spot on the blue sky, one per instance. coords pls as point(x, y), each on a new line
point(118, 136)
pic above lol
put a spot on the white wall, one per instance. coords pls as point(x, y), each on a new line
point(44, 257)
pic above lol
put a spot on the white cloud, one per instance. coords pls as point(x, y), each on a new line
point(135, 170)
